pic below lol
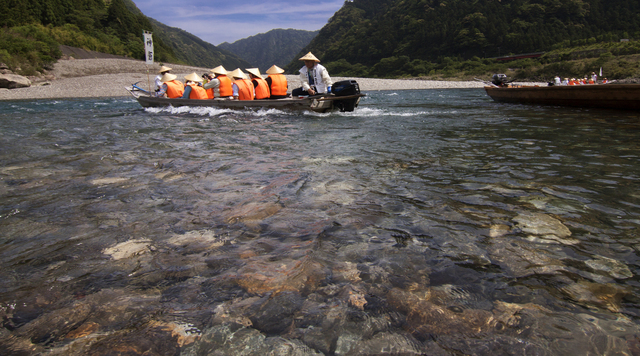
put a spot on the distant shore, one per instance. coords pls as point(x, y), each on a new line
point(108, 77)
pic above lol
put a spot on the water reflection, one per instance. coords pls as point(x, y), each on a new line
point(426, 222)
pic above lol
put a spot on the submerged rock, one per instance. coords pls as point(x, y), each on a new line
point(237, 339)
point(521, 258)
point(290, 275)
point(614, 268)
point(276, 314)
point(425, 316)
point(127, 249)
point(544, 228)
point(602, 295)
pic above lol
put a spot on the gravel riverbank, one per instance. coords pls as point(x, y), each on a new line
point(108, 77)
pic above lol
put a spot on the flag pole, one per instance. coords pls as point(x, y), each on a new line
point(148, 53)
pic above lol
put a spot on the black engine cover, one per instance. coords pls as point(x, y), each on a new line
point(345, 87)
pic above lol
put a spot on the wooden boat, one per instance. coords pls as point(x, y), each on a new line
point(612, 96)
point(317, 103)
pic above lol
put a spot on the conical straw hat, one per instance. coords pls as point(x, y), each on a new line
point(219, 70)
point(254, 71)
point(164, 69)
point(193, 77)
point(275, 70)
point(167, 77)
point(237, 73)
point(309, 57)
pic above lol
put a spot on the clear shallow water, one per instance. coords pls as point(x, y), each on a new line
point(426, 222)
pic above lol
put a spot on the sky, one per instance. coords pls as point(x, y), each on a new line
point(217, 21)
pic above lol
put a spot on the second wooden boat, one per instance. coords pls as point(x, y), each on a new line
point(611, 96)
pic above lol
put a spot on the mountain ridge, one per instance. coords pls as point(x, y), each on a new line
point(277, 46)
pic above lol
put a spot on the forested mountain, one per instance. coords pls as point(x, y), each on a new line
point(32, 30)
point(278, 46)
point(409, 34)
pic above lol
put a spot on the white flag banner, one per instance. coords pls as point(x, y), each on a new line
point(148, 47)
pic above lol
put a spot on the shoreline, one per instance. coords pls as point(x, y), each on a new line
point(108, 77)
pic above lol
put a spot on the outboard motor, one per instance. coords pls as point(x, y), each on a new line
point(345, 87)
point(499, 80)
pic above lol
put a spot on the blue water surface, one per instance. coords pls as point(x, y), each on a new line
point(425, 222)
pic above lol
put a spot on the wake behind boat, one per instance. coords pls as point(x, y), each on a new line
point(345, 96)
point(610, 95)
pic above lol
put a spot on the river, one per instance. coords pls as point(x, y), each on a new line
point(432, 222)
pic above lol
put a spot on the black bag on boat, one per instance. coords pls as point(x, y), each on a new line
point(345, 87)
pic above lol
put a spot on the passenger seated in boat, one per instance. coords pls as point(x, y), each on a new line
point(277, 83)
point(171, 88)
point(260, 86)
point(242, 87)
point(193, 88)
point(219, 87)
point(314, 77)
point(163, 70)
point(206, 78)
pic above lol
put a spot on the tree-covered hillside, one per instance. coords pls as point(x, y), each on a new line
point(32, 30)
point(277, 47)
point(412, 33)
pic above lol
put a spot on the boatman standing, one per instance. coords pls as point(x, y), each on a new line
point(314, 77)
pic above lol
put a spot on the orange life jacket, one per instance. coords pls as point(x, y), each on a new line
point(262, 89)
point(175, 89)
point(197, 92)
point(209, 93)
point(225, 86)
point(245, 89)
point(278, 84)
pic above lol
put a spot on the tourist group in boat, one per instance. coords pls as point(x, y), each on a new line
point(593, 79)
point(236, 85)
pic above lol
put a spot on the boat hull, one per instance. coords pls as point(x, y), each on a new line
point(318, 103)
point(611, 96)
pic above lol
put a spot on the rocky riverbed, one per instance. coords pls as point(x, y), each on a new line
point(108, 77)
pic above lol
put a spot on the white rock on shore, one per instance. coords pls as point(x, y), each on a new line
point(85, 78)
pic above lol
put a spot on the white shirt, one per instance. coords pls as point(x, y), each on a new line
point(320, 76)
point(158, 82)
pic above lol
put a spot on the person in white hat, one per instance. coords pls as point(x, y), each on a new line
point(171, 87)
point(220, 86)
point(314, 77)
point(260, 86)
point(242, 86)
point(162, 72)
point(277, 82)
point(193, 88)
